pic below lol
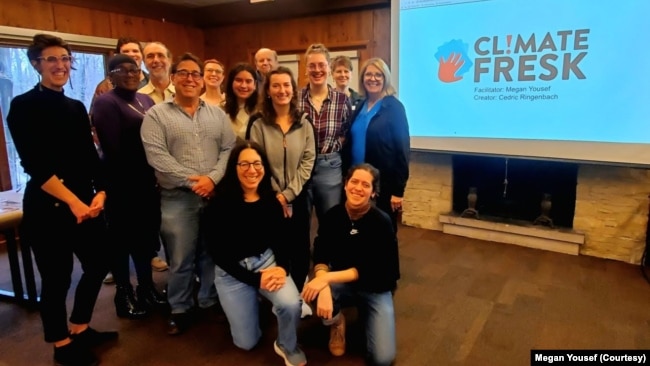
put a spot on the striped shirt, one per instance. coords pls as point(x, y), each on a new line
point(151, 91)
point(331, 122)
point(178, 145)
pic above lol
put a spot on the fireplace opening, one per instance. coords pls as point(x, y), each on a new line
point(512, 189)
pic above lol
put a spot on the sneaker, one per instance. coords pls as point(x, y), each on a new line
point(305, 310)
point(109, 279)
point(294, 359)
point(92, 338)
point(159, 265)
point(337, 337)
point(74, 354)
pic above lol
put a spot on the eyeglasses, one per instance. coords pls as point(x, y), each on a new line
point(215, 71)
point(55, 60)
point(121, 71)
point(369, 75)
point(316, 67)
point(245, 165)
point(184, 74)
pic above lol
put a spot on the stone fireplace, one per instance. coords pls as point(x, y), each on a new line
point(608, 208)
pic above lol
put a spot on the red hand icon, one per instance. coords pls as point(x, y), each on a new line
point(448, 68)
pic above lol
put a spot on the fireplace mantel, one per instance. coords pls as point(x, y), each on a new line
point(518, 233)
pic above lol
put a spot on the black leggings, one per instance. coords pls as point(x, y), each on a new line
point(298, 233)
point(134, 232)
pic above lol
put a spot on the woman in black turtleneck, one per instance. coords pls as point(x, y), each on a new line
point(134, 208)
point(63, 200)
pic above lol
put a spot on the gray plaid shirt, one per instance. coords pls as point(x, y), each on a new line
point(179, 146)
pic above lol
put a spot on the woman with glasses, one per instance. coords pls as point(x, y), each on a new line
point(213, 77)
point(380, 136)
point(241, 97)
point(257, 263)
point(131, 184)
point(329, 111)
point(287, 137)
point(63, 200)
point(131, 47)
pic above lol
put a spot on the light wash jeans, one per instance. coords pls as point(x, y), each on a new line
point(181, 214)
point(326, 187)
point(239, 302)
point(378, 314)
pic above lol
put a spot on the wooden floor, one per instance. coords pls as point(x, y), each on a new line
point(460, 302)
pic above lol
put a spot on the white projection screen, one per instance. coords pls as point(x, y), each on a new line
point(547, 79)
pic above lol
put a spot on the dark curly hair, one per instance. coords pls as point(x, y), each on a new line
point(229, 186)
point(42, 41)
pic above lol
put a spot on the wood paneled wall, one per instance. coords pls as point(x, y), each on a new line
point(50, 16)
point(368, 31)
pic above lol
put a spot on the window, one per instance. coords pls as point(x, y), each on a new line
point(18, 76)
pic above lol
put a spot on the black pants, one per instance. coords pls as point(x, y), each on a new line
point(55, 237)
point(298, 237)
point(134, 230)
point(383, 203)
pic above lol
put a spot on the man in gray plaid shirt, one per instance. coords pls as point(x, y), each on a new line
point(188, 143)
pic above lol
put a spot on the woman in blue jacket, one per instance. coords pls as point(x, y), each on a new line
point(379, 135)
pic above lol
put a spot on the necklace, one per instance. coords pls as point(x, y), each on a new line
point(142, 112)
point(318, 99)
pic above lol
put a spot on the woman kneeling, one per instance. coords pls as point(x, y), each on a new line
point(356, 261)
point(245, 208)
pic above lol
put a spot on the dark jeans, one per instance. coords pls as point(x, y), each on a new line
point(55, 239)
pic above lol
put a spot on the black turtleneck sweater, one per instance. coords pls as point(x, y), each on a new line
point(117, 117)
point(52, 135)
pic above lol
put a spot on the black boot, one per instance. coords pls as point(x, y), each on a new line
point(91, 338)
point(147, 294)
point(125, 304)
point(74, 354)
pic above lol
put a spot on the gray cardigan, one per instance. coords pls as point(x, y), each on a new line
point(291, 162)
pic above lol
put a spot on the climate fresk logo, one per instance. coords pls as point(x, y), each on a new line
point(453, 61)
point(529, 57)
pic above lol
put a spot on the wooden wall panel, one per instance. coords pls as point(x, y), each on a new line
point(49, 16)
point(27, 14)
point(177, 37)
point(368, 31)
point(84, 21)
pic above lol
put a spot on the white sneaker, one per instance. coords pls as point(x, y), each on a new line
point(306, 310)
point(109, 279)
point(296, 359)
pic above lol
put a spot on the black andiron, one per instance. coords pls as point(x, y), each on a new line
point(544, 218)
point(471, 211)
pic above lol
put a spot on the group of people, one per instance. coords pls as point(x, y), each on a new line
point(227, 179)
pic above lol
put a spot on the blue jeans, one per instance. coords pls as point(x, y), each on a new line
point(378, 314)
point(239, 302)
point(181, 213)
point(326, 188)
